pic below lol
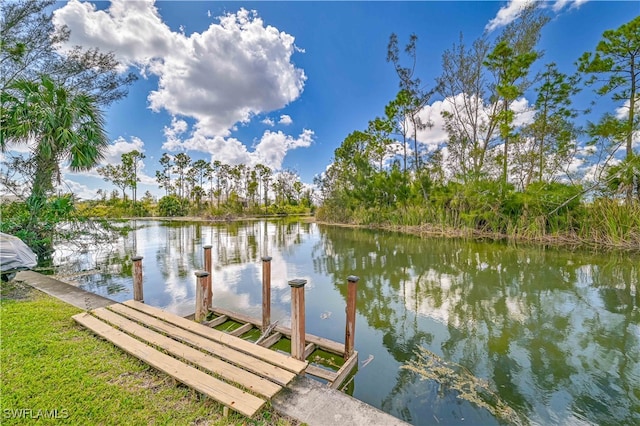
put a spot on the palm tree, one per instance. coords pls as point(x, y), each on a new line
point(61, 126)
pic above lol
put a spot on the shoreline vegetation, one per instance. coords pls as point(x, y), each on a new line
point(573, 240)
point(567, 241)
point(625, 239)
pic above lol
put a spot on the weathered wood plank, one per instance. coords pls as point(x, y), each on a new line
point(326, 344)
point(202, 308)
point(329, 376)
point(240, 401)
point(344, 371)
point(225, 370)
point(237, 316)
point(241, 330)
point(276, 358)
point(241, 359)
point(271, 340)
point(308, 350)
point(298, 323)
point(216, 321)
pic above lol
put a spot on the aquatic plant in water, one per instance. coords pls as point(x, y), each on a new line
point(451, 375)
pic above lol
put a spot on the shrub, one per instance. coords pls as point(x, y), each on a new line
point(170, 206)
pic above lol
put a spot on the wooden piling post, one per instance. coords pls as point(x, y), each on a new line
point(266, 292)
point(297, 318)
point(350, 329)
point(208, 267)
point(137, 279)
point(201, 288)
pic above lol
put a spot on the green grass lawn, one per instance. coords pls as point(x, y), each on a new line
point(58, 372)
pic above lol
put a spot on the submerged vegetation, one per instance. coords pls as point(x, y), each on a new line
point(429, 366)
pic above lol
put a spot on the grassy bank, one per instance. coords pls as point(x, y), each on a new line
point(603, 224)
point(58, 372)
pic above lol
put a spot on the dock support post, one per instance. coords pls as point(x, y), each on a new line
point(207, 267)
point(350, 329)
point(201, 288)
point(297, 318)
point(266, 292)
point(138, 295)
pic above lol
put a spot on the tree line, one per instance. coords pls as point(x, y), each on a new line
point(214, 188)
point(494, 174)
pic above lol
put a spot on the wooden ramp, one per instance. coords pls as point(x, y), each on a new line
point(232, 371)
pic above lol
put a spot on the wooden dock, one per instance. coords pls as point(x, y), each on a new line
point(234, 371)
point(234, 359)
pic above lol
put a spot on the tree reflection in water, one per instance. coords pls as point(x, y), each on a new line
point(556, 333)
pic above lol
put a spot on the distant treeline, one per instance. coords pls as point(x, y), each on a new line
point(201, 188)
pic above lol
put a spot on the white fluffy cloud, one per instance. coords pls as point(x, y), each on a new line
point(524, 113)
point(285, 119)
point(270, 150)
point(273, 146)
point(573, 4)
point(79, 190)
point(435, 134)
point(224, 75)
point(622, 113)
point(511, 11)
point(121, 146)
point(507, 14)
point(113, 155)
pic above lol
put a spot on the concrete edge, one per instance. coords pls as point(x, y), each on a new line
point(316, 404)
point(66, 292)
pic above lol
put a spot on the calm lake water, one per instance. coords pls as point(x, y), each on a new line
point(554, 334)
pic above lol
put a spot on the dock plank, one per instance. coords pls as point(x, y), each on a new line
point(225, 370)
point(345, 370)
point(255, 365)
point(234, 398)
point(276, 358)
point(321, 342)
point(241, 330)
point(329, 376)
point(216, 321)
point(271, 340)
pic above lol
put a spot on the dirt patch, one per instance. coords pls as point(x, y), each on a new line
point(15, 290)
point(141, 380)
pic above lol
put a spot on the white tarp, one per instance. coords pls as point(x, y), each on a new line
point(15, 254)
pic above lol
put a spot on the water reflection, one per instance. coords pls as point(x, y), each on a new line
point(555, 333)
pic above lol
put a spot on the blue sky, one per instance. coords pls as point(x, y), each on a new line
point(283, 83)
